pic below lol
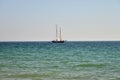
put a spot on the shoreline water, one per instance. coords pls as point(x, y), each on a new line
point(67, 61)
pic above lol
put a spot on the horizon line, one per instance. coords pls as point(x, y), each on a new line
point(51, 40)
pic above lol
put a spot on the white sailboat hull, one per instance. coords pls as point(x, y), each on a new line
point(57, 41)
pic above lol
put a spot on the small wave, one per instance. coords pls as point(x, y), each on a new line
point(90, 65)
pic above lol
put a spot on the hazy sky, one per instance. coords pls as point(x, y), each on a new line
point(26, 20)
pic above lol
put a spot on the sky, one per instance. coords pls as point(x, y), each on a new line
point(35, 20)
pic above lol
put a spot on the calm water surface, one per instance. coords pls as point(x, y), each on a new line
point(55, 61)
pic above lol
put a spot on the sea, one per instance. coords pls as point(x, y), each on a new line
point(72, 60)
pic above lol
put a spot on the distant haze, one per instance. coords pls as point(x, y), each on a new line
point(35, 20)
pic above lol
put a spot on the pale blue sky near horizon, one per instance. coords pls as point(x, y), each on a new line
point(35, 20)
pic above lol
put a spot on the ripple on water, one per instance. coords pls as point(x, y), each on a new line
point(90, 65)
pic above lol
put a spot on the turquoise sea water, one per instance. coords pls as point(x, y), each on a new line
point(55, 61)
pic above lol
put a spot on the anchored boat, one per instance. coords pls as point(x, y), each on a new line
point(58, 36)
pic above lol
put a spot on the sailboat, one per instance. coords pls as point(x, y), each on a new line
point(58, 37)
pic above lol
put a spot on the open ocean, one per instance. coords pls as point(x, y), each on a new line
point(83, 60)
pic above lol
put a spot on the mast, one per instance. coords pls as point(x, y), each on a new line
point(60, 35)
point(56, 33)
